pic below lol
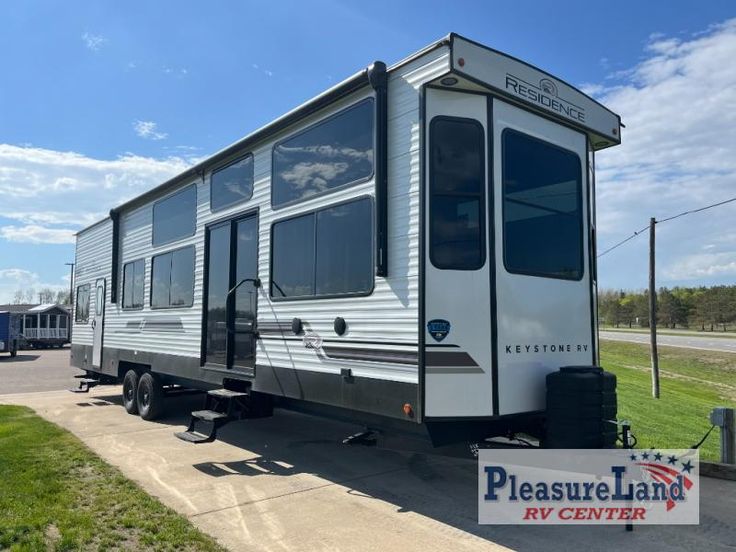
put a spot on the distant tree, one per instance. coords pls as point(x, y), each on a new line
point(30, 296)
point(670, 310)
point(18, 297)
point(62, 298)
point(46, 295)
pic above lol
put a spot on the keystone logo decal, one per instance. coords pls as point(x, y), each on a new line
point(438, 329)
point(588, 487)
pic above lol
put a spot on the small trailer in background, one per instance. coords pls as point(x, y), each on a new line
point(8, 333)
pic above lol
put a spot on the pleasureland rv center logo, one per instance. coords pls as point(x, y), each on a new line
point(588, 487)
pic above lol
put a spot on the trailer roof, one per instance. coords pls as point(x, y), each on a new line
point(351, 84)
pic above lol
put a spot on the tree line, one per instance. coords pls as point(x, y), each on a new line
point(43, 296)
point(700, 308)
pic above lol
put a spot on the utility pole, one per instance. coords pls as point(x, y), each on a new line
point(653, 309)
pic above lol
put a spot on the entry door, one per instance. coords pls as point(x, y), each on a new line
point(543, 282)
point(232, 252)
point(98, 323)
point(458, 265)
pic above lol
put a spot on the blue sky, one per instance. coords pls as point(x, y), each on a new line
point(101, 100)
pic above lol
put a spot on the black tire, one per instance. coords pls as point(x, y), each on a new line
point(13, 352)
point(130, 391)
point(150, 397)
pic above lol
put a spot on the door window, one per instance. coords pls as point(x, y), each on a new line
point(542, 208)
point(457, 191)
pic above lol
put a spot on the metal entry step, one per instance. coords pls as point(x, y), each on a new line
point(221, 407)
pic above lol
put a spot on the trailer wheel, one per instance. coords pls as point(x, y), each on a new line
point(150, 397)
point(14, 351)
point(130, 392)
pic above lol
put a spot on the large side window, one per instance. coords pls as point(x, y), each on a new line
point(133, 278)
point(172, 279)
point(324, 253)
point(457, 191)
point(232, 184)
point(82, 308)
point(542, 208)
point(333, 153)
point(175, 217)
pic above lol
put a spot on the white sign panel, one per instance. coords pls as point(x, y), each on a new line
point(588, 487)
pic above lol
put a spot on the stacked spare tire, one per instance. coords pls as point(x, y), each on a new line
point(581, 408)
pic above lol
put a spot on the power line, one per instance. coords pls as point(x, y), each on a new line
point(673, 217)
point(619, 244)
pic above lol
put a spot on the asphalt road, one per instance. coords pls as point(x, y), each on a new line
point(42, 370)
point(722, 344)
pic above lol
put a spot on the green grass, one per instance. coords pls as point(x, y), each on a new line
point(692, 382)
point(55, 494)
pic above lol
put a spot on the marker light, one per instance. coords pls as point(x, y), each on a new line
point(449, 81)
point(408, 410)
point(461, 62)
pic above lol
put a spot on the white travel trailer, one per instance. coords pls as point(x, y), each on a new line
point(413, 249)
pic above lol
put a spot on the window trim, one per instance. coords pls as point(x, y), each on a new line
point(194, 279)
point(239, 157)
point(76, 304)
point(368, 99)
point(483, 202)
point(581, 207)
point(314, 212)
point(122, 291)
point(153, 216)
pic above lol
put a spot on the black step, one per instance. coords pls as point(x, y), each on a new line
point(226, 393)
point(194, 437)
point(209, 415)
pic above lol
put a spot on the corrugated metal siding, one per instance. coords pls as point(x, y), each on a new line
point(389, 314)
point(93, 261)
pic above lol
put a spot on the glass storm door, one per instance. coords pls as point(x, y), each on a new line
point(232, 250)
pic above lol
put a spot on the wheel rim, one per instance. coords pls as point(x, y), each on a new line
point(146, 398)
point(129, 393)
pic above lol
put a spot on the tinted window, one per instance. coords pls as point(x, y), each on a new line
point(345, 249)
point(232, 184)
point(542, 208)
point(329, 252)
point(333, 153)
point(457, 186)
point(172, 279)
point(133, 277)
point(82, 308)
point(292, 253)
point(175, 217)
point(218, 285)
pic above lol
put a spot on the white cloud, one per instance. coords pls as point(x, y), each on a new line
point(678, 152)
point(53, 194)
point(33, 233)
point(148, 130)
point(19, 279)
point(94, 42)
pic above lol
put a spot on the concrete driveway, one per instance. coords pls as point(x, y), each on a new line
point(286, 483)
point(41, 370)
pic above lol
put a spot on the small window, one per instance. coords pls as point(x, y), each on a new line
point(232, 184)
point(333, 153)
point(99, 300)
point(133, 278)
point(542, 208)
point(457, 191)
point(172, 279)
point(175, 217)
point(82, 307)
point(325, 253)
